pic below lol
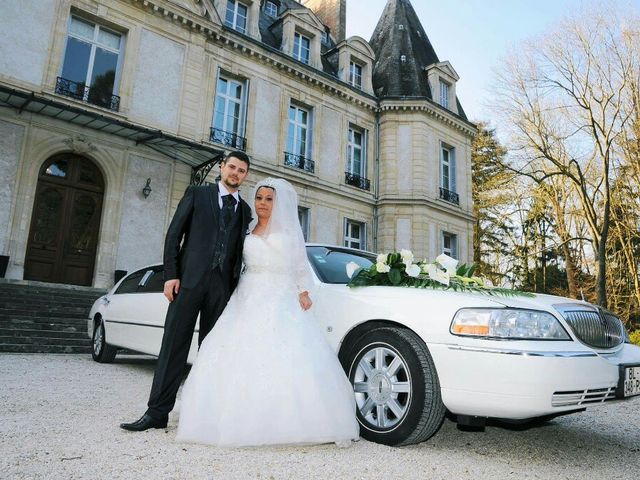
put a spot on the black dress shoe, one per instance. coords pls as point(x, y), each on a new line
point(145, 422)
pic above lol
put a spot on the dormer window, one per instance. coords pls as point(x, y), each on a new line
point(355, 75)
point(444, 94)
point(271, 9)
point(301, 48)
point(236, 16)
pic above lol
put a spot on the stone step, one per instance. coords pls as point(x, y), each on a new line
point(43, 341)
point(18, 319)
point(46, 318)
point(69, 325)
point(49, 313)
point(41, 333)
point(26, 348)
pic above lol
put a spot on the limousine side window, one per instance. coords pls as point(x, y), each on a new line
point(130, 284)
point(154, 282)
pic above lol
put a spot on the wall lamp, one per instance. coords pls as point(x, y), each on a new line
point(146, 191)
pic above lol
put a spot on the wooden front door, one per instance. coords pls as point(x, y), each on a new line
point(65, 222)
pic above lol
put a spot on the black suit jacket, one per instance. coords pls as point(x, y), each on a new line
point(195, 224)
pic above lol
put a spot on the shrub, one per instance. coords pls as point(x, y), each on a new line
point(635, 337)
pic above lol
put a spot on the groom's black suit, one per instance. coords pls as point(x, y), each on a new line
point(208, 265)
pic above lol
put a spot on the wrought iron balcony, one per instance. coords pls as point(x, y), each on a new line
point(99, 96)
point(298, 161)
point(449, 196)
point(228, 138)
point(356, 180)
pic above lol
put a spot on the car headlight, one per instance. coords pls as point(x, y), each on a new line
point(508, 323)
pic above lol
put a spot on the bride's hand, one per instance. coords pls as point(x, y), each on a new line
point(305, 301)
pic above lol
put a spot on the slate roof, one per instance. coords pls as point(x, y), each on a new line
point(399, 32)
point(271, 32)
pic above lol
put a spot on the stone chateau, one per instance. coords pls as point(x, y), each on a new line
point(111, 108)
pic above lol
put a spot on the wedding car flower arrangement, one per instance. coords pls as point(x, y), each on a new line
point(400, 270)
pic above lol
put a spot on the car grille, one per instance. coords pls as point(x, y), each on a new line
point(577, 398)
point(599, 329)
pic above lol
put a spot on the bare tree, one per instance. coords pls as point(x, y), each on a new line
point(565, 96)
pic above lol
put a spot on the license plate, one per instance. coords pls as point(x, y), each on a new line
point(629, 383)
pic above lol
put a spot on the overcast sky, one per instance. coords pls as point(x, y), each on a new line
point(472, 34)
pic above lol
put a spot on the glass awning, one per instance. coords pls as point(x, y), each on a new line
point(194, 154)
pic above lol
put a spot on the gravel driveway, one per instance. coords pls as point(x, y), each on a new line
point(59, 419)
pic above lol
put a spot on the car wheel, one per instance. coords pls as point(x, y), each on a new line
point(396, 386)
point(101, 351)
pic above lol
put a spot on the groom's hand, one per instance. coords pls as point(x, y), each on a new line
point(171, 288)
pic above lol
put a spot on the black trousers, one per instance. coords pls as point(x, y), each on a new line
point(208, 297)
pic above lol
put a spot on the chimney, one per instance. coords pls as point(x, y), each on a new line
point(333, 13)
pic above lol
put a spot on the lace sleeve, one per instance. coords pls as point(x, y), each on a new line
point(302, 271)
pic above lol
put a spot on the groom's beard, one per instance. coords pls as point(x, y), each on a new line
point(231, 182)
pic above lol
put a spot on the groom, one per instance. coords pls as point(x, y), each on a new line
point(200, 275)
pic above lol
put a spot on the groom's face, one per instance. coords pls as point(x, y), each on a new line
point(233, 172)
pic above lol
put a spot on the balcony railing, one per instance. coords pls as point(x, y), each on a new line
point(449, 196)
point(298, 161)
point(356, 180)
point(228, 138)
point(95, 95)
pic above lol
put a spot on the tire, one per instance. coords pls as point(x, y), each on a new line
point(396, 386)
point(101, 351)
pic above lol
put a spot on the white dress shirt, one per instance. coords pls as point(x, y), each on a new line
point(222, 191)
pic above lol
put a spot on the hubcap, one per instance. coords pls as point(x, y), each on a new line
point(98, 338)
point(382, 387)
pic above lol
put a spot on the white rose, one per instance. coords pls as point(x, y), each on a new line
point(449, 264)
point(407, 257)
point(437, 275)
point(413, 270)
point(381, 258)
point(351, 268)
point(382, 267)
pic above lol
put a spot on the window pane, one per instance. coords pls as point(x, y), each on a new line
point(89, 174)
point(331, 264)
point(230, 13)
point(302, 117)
point(218, 121)
point(130, 284)
point(76, 61)
point(222, 85)
point(236, 90)
point(355, 230)
point(81, 28)
point(57, 169)
point(104, 70)
point(109, 39)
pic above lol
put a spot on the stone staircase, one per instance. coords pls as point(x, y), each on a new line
point(40, 317)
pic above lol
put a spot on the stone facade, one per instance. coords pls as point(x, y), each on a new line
point(173, 56)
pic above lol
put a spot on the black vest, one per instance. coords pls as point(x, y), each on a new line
point(224, 252)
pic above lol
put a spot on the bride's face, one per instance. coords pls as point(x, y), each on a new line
point(264, 202)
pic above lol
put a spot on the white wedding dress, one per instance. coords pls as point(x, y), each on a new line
point(265, 374)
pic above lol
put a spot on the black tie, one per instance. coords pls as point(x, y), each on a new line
point(228, 208)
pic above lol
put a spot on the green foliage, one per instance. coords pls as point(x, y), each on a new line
point(462, 281)
point(635, 337)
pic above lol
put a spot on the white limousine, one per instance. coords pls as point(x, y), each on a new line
point(411, 358)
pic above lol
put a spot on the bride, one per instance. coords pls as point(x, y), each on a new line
point(265, 374)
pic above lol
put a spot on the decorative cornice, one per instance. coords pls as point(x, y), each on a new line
point(268, 55)
point(443, 207)
point(421, 104)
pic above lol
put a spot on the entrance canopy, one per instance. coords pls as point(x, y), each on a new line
point(199, 156)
